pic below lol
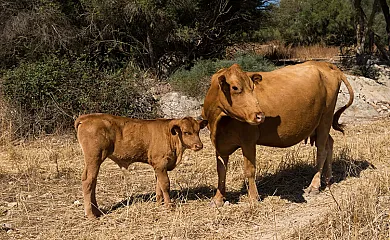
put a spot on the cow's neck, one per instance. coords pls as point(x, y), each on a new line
point(213, 123)
point(212, 110)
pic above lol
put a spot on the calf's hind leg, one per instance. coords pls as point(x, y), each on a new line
point(92, 163)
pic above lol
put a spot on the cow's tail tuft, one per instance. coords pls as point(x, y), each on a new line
point(335, 124)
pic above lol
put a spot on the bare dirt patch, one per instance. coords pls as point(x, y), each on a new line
point(40, 193)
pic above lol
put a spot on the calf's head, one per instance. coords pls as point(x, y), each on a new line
point(237, 96)
point(188, 131)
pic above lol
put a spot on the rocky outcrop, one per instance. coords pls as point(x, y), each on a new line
point(176, 105)
point(372, 98)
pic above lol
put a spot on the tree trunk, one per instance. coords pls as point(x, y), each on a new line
point(150, 49)
point(370, 33)
point(360, 33)
point(385, 9)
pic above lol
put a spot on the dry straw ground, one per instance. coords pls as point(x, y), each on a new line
point(40, 188)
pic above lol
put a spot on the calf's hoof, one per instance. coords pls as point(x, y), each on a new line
point(312, 190)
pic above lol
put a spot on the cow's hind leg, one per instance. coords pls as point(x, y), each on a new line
point(249, 153)
point(329, 160)
point(222, 162)
point(322, 154)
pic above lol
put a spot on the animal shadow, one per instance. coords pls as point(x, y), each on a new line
point(183, 195)
point(290, 183)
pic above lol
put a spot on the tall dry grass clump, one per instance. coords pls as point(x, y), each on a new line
point(280, 51)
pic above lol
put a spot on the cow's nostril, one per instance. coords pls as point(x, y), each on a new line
point(260, 117)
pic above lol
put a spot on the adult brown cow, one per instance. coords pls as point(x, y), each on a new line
point(277, 109)
point(159, 142)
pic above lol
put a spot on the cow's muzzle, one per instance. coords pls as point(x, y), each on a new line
point(257, 118)
point(197, 147)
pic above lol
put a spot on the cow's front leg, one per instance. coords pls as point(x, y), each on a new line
point(163, 182)
point(249, 153)
point(222, 162)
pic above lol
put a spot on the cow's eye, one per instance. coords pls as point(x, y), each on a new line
point(187, 133)
point(236, 90)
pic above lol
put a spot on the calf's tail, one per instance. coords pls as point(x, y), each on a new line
point(77, 123)
point(335, 124)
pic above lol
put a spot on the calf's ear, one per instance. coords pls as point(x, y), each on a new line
point(175, 129)
point(203, 123)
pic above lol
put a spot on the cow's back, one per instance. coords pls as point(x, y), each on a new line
point(295, 100)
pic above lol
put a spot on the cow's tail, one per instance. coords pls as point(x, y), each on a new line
point(335, 124)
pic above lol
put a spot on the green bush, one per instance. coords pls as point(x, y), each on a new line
point(47, 96)
point(196, 81)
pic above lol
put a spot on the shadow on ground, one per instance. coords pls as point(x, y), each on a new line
point(288, 183)
point(183, 195)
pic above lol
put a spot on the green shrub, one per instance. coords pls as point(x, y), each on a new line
point(196, 81)
point(47, 96)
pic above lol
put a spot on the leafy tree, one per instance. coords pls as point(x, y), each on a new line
point(315, 21)
point(157, 34)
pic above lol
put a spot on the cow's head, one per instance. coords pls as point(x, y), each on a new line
point(188, 131)
point(237, 96)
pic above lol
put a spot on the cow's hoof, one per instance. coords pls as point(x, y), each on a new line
point(312, 190)
point(217, 203)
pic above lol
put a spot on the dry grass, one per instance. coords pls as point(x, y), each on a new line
point(277, 51)
point(40, 186)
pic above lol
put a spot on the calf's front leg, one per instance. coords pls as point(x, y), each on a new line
point(159, 193)
point(164, 184)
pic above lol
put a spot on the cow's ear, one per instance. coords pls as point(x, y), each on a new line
point(256, 78)
point(203, 123)
point(223, 84)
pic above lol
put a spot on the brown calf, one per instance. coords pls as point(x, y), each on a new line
point(159, 142)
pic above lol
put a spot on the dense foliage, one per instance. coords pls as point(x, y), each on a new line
point(334, 22)
point(48, 95)
point(157, 34)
